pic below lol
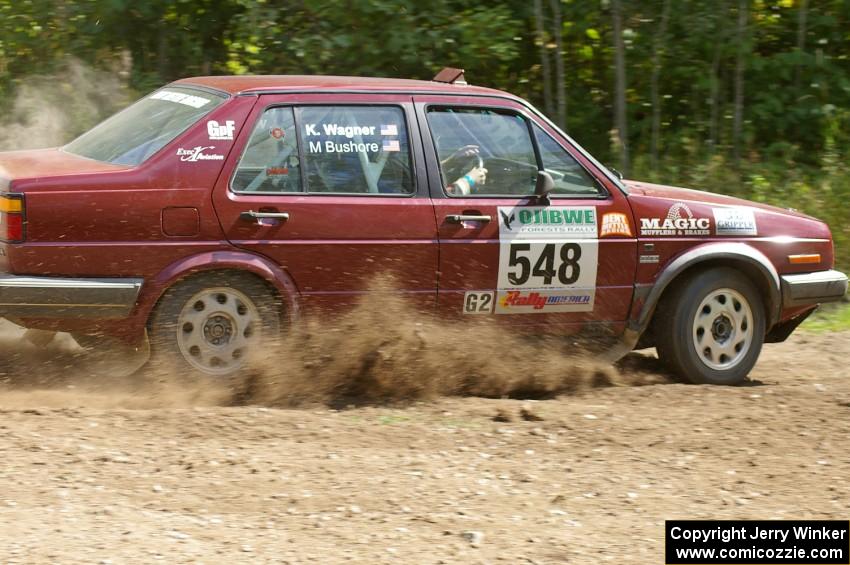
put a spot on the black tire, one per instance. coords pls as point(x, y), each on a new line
point(236, 307)
point(731, 320)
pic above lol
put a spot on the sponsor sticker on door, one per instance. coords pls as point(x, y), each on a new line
point(548, 258)
point(536, 222)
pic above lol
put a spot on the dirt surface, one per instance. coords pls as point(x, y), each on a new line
point(109, 475)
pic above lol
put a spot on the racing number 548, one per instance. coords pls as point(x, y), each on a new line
point(544, 267)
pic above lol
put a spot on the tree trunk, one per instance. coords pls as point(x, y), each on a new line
point(743, 47)
point(620, 120)
point(802, 16)
point(544, 58)
point(720, 35)
point(162, 66)
point(657, 54)
point(560, 80)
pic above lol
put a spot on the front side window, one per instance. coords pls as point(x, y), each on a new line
point(327, 150)
point(483, 152)
point(569, 176)
point(134, 134)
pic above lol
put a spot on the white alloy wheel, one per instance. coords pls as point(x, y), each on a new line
point(216, 328)
point(723, 329)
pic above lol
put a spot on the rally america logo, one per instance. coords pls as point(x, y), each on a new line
point(679, 221)
point(197, 154)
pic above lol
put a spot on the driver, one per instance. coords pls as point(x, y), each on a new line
point(475, 176)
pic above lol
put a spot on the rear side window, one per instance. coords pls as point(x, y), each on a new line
point(132, 135)
point(328, 150)
point(270, 163)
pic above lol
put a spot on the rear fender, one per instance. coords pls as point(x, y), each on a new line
point(243, 261)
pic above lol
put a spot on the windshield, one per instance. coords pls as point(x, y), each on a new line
point(134, 134)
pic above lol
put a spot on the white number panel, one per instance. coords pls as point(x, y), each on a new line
point(548, 258)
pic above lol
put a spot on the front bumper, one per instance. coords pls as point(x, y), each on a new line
point(813, 288)
point(50, 297)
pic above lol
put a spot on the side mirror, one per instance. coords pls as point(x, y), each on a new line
point(544, 185)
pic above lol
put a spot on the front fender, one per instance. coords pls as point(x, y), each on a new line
point(722, 252)
point(647, 297)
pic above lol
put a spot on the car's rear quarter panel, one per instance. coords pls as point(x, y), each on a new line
point(109, 224)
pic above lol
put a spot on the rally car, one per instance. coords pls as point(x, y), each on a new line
point(218, 210)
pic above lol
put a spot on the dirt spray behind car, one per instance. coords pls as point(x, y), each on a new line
point(382, 351)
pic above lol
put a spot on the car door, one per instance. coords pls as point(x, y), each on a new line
point(564, 263)
point(331, 188)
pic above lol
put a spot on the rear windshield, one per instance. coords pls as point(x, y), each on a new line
point(134, 134)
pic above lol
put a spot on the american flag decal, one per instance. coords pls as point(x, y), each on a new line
point(391, 145)
point(390, 129)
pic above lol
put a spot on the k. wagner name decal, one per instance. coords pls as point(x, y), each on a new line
point(352, 141)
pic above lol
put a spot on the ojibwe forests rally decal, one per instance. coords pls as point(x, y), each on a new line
point(547, 259)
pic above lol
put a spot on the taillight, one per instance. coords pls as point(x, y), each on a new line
point(12, 221)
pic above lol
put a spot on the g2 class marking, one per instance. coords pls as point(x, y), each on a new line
point(479, 302)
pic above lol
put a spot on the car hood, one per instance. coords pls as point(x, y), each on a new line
point(702, 197)
point(47, 163)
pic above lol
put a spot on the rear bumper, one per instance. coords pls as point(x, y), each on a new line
point(50, 297)
point(813, 288)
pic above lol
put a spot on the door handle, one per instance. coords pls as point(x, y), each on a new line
point(458, 218)
point(250, 215)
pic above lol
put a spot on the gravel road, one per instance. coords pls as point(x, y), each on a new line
point(108, 477)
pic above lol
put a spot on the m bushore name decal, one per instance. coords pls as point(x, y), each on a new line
point(352, 138)
point(814, 542)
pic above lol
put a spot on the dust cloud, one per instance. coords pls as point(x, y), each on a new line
point(50, 110)
point(384, 351)
point(380, 352)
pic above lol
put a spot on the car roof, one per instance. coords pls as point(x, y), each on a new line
point(258, 84)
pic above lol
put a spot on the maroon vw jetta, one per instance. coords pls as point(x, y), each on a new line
point(216, 210)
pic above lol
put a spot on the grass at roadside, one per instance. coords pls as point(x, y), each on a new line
point(829, 318)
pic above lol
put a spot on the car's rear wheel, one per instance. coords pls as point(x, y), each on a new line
point(211, 323)
point(711, 327)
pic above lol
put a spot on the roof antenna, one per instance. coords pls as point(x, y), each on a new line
point(450, 75)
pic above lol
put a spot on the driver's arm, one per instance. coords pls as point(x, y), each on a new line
point(466, 183)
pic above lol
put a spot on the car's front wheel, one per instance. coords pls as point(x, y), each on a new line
point(710, 328)
point(211, 323)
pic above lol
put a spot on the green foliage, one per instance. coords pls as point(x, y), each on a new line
point(829, 318)
point(795, 85)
